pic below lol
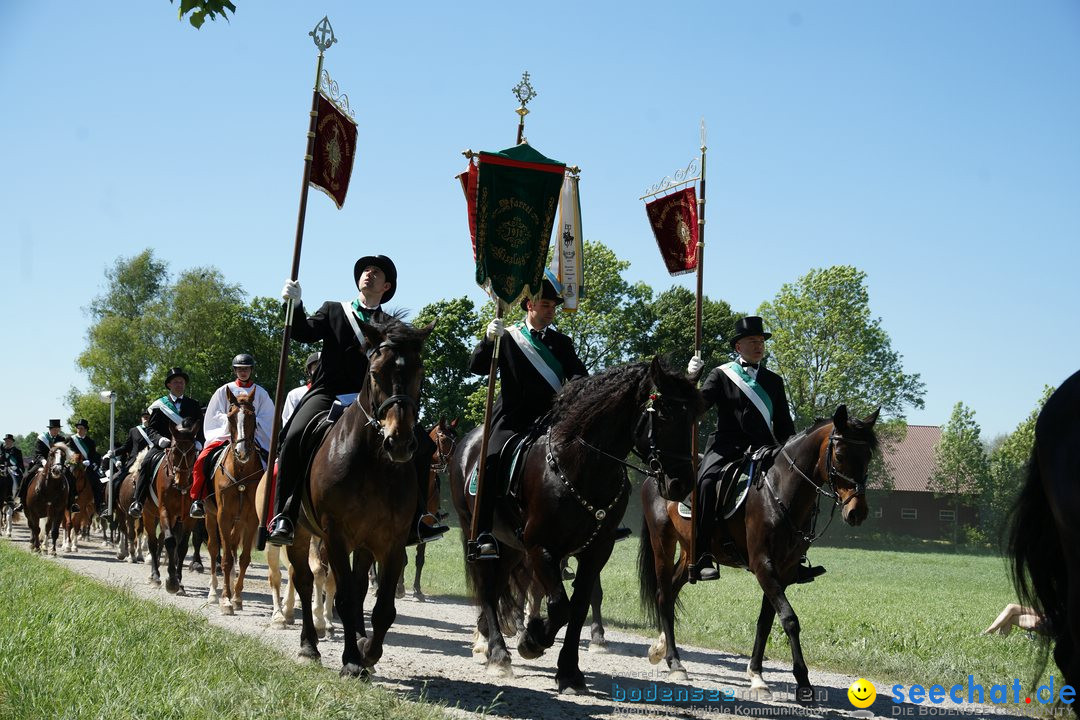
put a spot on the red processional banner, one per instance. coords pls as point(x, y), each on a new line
point(674, 223)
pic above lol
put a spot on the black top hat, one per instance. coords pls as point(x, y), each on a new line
point(176, 372)
point(10, 437)
point(747, 326)
point(383, 263)
point(54, 423)
point(83, 423)
point(547, 292)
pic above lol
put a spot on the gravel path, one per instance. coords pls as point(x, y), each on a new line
point(429, 654)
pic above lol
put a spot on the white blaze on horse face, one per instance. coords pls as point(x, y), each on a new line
point(240, 425)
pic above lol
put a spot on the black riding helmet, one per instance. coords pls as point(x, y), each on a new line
point(243, 360)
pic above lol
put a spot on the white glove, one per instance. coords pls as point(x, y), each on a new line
point(107, 455)
point(164, 442)
point(86, 463)
point(694, 366)
point(495, 329)
point(291, 291)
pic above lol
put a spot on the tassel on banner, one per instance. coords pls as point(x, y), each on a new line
point(568, 256)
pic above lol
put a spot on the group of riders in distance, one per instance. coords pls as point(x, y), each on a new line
point(352, 476)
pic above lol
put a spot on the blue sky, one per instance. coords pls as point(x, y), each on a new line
point(934, 145)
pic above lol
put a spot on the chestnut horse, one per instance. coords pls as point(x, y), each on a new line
point(231, 519)
point(47, 496)
point(75, 524)
point(1044, 540)
point(572, 493)
point(172, 481)
point(770, 533)
point(362, 494)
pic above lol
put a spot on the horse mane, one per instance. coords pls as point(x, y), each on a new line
point(400, 333)
point(585, 401)
point(857, 430)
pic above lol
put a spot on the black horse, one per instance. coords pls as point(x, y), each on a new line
point(1044, 538)
point(573, 491)
point(768, 535)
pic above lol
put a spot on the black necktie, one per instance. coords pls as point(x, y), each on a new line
point(748, 365)
point(538, 334)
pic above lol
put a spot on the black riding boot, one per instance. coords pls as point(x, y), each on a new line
point(286, 510)
point(705, 512)
point(425, 526)
point(99, 492)
point(142, 485)
point(486, 547)
point(73, 493)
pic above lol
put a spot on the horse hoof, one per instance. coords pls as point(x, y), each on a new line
point(320, 632)
point(677, 676)
point(172, 587)
point(238, 605)
point(419, 596)
point(598, 647)
point(351, 670)
point(497, 670)
point(529, 650)
point(195, 566)
point(226, 609)
point(309, 652)
point(573, 687)
point(277, 622)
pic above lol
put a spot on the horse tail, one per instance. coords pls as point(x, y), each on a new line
point(1036, 556)
point(647, 585)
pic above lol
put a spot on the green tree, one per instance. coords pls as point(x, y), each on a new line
point(447, 380)
point(199, 11)
point(830, 350)
point(961, 462)
point(1008, 464)
point(665, 326)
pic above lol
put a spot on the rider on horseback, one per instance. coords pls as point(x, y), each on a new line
point(82, 443)
point(166, 412)
point(342, 368)
point(12, 458)
point(44, 443)
point(532, 368)
point(216, 423)
point(298, 392)
point(138, 438)
point(752, 413)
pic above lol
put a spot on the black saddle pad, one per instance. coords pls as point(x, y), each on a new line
point(310, 441)
point(511, 464)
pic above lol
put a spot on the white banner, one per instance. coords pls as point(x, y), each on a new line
point(567, 259)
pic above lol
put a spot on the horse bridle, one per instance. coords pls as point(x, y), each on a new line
point(171, 468)
point(402, 399)
point(240, 429)
point(444, 457)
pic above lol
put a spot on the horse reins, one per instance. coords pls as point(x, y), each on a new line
point(402, 399)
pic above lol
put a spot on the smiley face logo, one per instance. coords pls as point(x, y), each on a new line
point(862, 693)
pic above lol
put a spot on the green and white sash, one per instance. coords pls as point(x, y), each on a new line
point(538, 354)
point(165, 405)
point(751, 389)
point(142, 431)
point(82, 448)
point(351, 311)
point(46, 438)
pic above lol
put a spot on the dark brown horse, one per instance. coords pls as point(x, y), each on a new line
point(362, 495)
point(172, 481)
point(231, 520)
point(76, 523)
point(770, 534)
point(444, 435)
point(47, 496)
point(1044, 538)
point(572, 493)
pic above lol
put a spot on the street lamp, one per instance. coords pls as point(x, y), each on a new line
point(108, 396)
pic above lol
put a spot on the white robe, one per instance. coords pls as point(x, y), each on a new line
point(216, 420)
point(291, 401)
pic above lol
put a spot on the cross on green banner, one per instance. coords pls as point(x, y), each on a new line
point(513, 196)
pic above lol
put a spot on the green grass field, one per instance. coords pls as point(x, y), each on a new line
point(74, 648)
point(888, 616)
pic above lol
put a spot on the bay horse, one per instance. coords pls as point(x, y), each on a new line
point(1044, 540)
point(171, 482)
point(231, 519)
point(47, 496)
point(362, 493)
point(769, 535)
point(573, 492)
point(75, 524)
point(131, 530)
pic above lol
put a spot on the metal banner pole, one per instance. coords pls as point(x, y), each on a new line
point(693, 571)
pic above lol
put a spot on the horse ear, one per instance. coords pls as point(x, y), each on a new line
point(371, 334)
point(656, 370)
point(229, 395)
point(426, 330)
point(872, 418)
point(453, 423)
point(840, 417)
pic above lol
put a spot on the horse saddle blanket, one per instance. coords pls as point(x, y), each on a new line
point(735, 480)
point(511, 464)
point(313, 438)
point(153, 474)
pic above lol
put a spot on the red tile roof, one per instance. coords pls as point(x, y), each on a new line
point(911, 461)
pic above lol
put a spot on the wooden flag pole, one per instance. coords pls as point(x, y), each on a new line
point(323, 35)
point(524, 92)
point(693, 571)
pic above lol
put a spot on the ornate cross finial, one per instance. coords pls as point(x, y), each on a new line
point(524, 92)
point(323, 35)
